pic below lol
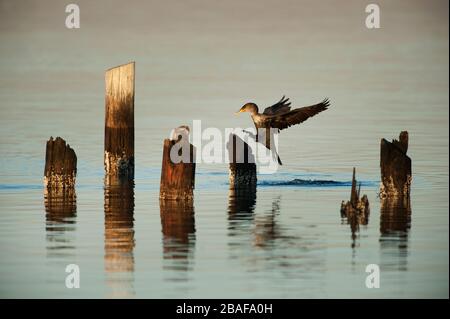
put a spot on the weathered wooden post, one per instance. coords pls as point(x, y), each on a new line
point(60, 165)
point(178, 167)
point(395, 166)
point(119, 121)
point(356, 210)
point(356, 206)
point(242, 166)
point(59, 180)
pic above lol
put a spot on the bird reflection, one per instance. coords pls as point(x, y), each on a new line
point(260, 241)
point(242, 220)
point(395, 223)
point(178, 229)
point(60, 217)
point(266, 229)
point(119, 236)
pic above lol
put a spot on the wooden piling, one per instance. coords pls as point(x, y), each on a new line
point(119, 121)
point(242, 166)
point(356, 211)
point(60, 166)
point(356, 206)
point(178, 178)
point(395, 166)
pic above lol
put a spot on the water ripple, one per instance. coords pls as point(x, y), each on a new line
point(313, 183)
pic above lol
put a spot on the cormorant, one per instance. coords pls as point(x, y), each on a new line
point(280, 116)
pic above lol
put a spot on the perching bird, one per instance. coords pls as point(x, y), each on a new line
point(280, 115)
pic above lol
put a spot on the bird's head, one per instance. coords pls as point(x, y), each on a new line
point(252, 108)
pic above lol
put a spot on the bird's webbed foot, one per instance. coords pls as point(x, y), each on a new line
point(249, 133)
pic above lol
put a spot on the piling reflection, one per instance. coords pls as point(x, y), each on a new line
point(355, 212)
point(119, 236)
point(60, 221)
point(395, 223)
point(262, 230)
point(178, 229)
point(355, 220)
point(241, 215)
point(241, 207)
point(260, 241)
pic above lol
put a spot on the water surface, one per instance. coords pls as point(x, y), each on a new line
point(203, 60)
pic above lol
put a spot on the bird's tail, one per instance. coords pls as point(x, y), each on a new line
point(279, 160)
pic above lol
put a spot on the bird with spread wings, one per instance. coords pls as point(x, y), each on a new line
point(280, 115)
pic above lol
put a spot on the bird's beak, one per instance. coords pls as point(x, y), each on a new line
point(237, 113)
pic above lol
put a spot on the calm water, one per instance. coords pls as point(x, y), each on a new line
point(203, 61)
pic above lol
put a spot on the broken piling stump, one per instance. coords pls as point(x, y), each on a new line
point(59, 180)
point(356, 206)
point(395, 166)
point(242, 166)
point(60, 165)
point(356, 210)
point(119, 121)
point(178, 167)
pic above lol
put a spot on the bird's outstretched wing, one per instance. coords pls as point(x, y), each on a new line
point(296, 116)
point(282, 106)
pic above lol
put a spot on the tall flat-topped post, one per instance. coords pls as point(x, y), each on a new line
point(119, 121)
